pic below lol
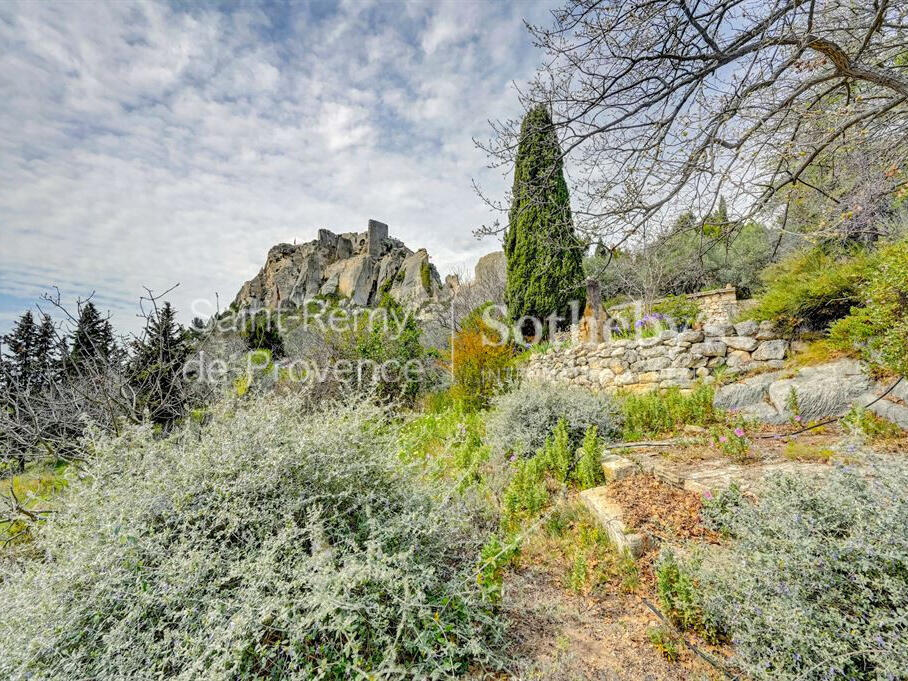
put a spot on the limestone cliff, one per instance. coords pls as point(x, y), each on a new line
point(359, 266)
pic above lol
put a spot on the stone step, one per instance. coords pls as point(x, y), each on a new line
point(608, 514)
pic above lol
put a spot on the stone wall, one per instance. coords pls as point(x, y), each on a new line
point(668, 359)
point(718, 306)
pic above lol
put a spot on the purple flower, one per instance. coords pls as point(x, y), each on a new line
point(723, 439)
point(798, 418)
point(739, 432)
point(707, 495)
point(513, 458)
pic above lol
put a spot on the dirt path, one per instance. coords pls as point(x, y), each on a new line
point(562, 636)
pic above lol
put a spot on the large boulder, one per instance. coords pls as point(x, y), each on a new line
point(821, 392)
point(746, 393)
point(416, 280)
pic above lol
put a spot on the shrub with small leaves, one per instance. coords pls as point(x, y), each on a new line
point(525, 417)
point(814, 584)
point(678, 592)
point(275, 543)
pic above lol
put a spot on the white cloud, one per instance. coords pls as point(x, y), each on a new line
point(141, 145)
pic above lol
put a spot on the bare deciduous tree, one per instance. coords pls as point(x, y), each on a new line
point(663, 105)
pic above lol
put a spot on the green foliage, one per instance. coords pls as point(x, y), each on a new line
point(802, 451)
point(878, 328)
point(865, 423)
point(289, 545)
point(679, 595)
point(261, 332)
point(814, 584)
point(680, 310)
point(524, 418)
point(812, 289)
point(157, 367)
point(731, 441)
point(661, 411)
point(495, 557)
point(544, 255)
point(666, 642)
point(425, 276)
point(386, 351)
point(589, 471)
point(716, 511)
point(93, 339)
point(687, 260)
point(558, 453)
point(526, 494)
point(447, 439)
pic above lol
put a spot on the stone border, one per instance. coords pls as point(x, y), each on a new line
point(608, 513)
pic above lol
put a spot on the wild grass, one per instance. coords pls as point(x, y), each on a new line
point(647, 415)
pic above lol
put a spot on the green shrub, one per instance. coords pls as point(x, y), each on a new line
point(810, 290)
point(524, 418)
point(678, 593)
point(879, 327)
point(261, 332)
point(661, 411)
point(589, 471)
point(526, 494)
point(558, 454)
point(814, 584)
point(495, 557)
point(666, 642)
point(385, 352)
point(680, 310)
point(279, 544)
point(866, 424)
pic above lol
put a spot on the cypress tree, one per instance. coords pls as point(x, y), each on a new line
point(544, 255)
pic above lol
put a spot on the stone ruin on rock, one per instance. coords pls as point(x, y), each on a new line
point(359, 266)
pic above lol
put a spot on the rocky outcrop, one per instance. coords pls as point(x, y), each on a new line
point(812, 393)
point(358, 266)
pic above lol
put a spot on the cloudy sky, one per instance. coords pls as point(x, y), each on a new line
point(154, 144)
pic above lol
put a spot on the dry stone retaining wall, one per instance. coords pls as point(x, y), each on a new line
point(668, 359)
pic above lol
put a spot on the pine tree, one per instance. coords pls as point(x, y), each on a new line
point(20, 357)
point(157, 367)
point(48, 352)
point(93, 339)
point(544, 255)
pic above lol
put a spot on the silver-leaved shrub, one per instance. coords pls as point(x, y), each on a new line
point(272, 543)
point(814, 582)
point(523, 418)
